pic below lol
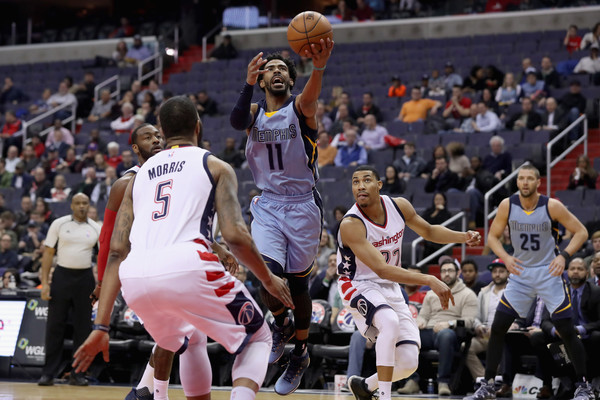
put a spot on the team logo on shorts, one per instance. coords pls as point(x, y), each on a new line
point(246, 313)
point(345, 321)
point(362, 307)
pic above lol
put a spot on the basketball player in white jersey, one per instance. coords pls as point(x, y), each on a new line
point(147, 141)
point(369, 253)
point(169, 278)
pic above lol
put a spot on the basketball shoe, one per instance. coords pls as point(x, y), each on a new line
point(281, 335)
point(142, 394)
point(359, 389)
point(290, 380)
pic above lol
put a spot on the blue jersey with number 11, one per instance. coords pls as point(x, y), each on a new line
point(282, 151)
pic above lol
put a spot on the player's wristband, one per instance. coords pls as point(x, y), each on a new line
point(319, 69)
point(566, 255)
point(100, 327)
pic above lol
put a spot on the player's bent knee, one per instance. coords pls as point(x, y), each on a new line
point(407, 361)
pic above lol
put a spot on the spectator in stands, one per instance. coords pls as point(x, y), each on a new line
point(40, 187)
point(113, 158)
point(574, 102)
point(488, 98)
point(326, 249)
point(397, 89)
point(206, 105)
point(63, 96)
point(590, 65)
point(438, 326)
point(21, 179)
point(322, 117)
point(368, 108)
point(352, 154)
point(342, 115)
point(24, 214)
point(458, 106)
point(343, 98)
point(493, 77)
point(336, 93)
point(225, 51)
point(479, 181)
point(41, 105)
point(509, 92)
point(438, 213)
point(87, 159)
point(87, 184)
point(324, 286)
point(486, 120)
point(392, 185)
point(591, 38)
point(54, 157)
point(498, 162)
point(138, 52)
point(126, 162)
point(100, 166)
point(442, 179)
point(103, 186)
point(8, 225)
point(59, 192)
point(156, 91)
point(438, 151)
point(451, 78)
point(424, 85)
point(125, 30)
point(468, 124)
point(469, 272)
point(475, 82)
point(410, 165)
point(29, 158)
point(5, 176)
point(343, 12)
point(487, 300)
point(93, 214)
point(327, 153)
point(119, 56)
point(11, 134)
point(8, 257)
point(363, 12)
point(30, 244)
point(372, 137)
point(526, 67)
point(534, 89)
point(12, 159)
point(10, 93)
point(549, 75)
point(572, 40)
point(595, 239)
point(305, 66)
point(584, 175)
point(417, 108)
point(102, 109)
point(69, 163)
point(59, 134)
point(137, 93)
point(595, 269)
point(84, 92)
point(553, 118)
point(458, 162)
point(437, 85)
point(231, 154)
point(527, 119)
point(124, 123)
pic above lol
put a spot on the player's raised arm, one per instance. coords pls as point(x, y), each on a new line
point(560, 213)
point(307, 100)
point(434, 233)
point(235, 233)
point(243, 111)
point(353, 235)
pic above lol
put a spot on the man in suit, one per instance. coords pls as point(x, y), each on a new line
point(594, 270)
point(527, 119)
point(553, 120)
point(441, 178)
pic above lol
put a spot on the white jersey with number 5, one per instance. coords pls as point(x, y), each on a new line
point(386, 238)
point(173, 199)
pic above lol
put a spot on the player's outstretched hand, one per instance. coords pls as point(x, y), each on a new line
point(557, 266)
point(320, 57)
point(96, 342)
point(514, 265)
point(95, 294)
point(473, 238)
point(278, 288)
point(443, 292)
point(254, 68)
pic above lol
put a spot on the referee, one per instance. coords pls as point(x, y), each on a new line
point(73, 238)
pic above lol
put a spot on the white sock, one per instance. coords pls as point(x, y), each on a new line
point(147, 379)
point(161, 389)
point(241, 393)
point(372, 382)
point(385, 389)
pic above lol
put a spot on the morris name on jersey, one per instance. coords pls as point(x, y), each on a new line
point(388, 240)
point(274, 135)
point(162, 169)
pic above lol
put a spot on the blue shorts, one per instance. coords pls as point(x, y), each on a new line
point(287, 229)
point(522, 290)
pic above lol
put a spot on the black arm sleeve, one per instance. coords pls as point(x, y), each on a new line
point(240, 117)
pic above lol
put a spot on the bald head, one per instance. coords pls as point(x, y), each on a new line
point(80, 204)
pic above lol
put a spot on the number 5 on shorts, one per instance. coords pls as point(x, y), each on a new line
point(162, 198)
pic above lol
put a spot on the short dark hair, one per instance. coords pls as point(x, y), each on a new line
point(416, 88)
point(369, 93)
point(573, 26)
point(288, 62)
point(532, 168)
point(469, 261)
point(178, 117)
point(368, 168)
point(134, 134)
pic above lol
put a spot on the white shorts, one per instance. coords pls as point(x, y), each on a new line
point(364, 298)
point(182, 288)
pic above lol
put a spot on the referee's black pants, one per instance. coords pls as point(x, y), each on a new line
point(70, 290)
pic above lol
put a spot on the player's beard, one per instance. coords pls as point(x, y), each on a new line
point(145, 154)
point(577, 281)
point(279, 92)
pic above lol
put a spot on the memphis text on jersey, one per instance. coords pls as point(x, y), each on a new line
point(388, 240)
point(523, 227)
point(162, 169)
point(274, 135)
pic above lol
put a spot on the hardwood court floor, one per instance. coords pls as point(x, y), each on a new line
point(31, 391)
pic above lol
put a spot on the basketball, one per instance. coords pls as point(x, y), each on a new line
point(306, 28)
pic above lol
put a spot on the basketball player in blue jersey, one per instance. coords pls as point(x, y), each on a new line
point(282, 155)
point(536, 269)
point(369, 254)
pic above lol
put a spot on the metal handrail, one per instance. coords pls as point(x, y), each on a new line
point(205, 39)
point(48, 113)
point(155, 71)
point(486, 200)
point(116, 93)
point(551, 143)
point(461, 215)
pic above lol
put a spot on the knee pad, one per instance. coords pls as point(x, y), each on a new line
point(407, 361)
